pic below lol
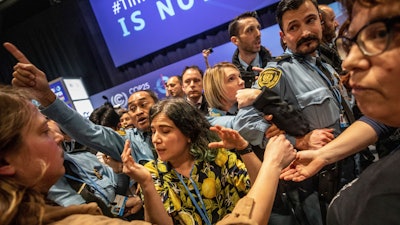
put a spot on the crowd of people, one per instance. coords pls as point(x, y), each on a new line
point(220, 148)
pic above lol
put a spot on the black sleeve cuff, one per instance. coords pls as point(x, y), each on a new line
point(248, 149)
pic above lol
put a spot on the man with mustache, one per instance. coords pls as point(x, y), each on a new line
point(311, 86)
point(244, 32)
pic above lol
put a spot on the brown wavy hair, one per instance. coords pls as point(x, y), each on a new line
point(18, 204)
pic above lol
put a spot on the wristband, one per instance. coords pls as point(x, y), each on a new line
point(248, 149)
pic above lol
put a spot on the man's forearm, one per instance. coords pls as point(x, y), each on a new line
point(85, 132)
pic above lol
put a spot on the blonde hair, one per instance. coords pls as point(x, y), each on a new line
point(213, 83)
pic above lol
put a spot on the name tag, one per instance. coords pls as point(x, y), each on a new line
point(344, 122)
point(118, 206)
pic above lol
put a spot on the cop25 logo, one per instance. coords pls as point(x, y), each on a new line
point(160, 84)
point(120, 99)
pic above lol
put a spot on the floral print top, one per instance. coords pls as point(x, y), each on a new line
point(221, 184)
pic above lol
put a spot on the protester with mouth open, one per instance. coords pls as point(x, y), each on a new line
point(245, 33)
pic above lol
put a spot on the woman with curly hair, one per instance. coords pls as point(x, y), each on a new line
point(197, 184)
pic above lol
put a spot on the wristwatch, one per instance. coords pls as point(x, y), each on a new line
point(248, 149)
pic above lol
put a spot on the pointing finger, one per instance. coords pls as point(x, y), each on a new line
point(18, 55)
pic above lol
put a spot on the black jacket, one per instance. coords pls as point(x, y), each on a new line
point(265, 56)
point(330, 56)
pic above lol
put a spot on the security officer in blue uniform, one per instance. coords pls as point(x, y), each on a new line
point(297, 79)
point(311, 86)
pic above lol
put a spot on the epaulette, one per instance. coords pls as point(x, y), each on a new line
point(282, 57)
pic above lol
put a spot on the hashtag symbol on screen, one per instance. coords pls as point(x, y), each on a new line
point(116, 7)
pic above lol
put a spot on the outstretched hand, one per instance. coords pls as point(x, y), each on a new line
point(27, 75)
point(134, 170)
point(306, 165)
point(230, 139)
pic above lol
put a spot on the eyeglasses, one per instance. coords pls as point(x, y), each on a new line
point(372, 39)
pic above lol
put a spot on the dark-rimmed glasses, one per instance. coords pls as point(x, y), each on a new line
point(372, 39)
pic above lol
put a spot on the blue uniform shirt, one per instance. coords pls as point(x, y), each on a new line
point(297, 81)
point(104, 188)
point(98, 137)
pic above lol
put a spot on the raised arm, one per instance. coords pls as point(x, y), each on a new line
point(278, 154)
point(28, 76)
point(206, 53)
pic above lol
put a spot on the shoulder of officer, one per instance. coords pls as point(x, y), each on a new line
point(281, 58)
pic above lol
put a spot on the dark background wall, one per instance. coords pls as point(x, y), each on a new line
point(62, 38)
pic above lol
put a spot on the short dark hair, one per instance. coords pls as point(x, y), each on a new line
point(286, 5)
point(105, 115)
point(178, 77)
point(152, 94)
point(192, 67)
point(233, 27)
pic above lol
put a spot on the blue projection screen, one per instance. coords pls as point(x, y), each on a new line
point(135, 28)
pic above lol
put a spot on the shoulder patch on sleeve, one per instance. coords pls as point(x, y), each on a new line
point(269, 77)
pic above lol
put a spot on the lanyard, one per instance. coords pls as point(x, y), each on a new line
point(92, 182)
point(331, 84)
point(202, 210)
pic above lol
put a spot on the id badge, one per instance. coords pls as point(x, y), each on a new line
point(118, 206)
point(344, 122)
